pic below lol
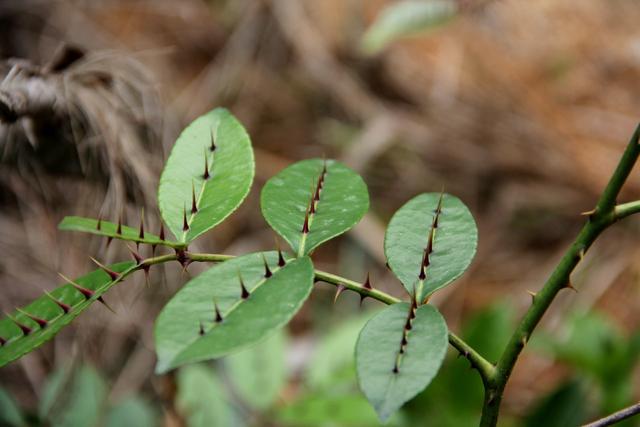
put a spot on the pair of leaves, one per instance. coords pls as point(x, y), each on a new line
point(429, 243)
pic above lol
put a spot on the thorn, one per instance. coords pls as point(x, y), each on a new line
point(194, 207)
point(119, 227)
point(99, 224)
point(404, 340)
point(87, 293)
point(340, 290)
point(533, 295)
point(407, 326)
point(141, 233)
point(305, 226)
point(423, 274)
point(267, 272)
point(569, 285)
point(136, 256)
point(588, 213)
point(161, 235)
point(65, 307)
point(206, 175)
point(41, 322)
point(24, 328)
point(367, 283)
point(201, 332)
point(2, 342)
point(101, 300)
point(212, 147)
point(281, 261)
point(112, 274)
point(218, 314)
point(183, 258)
point(185, 224)
point(312, 207)
point(109, 240)
point(581, 254)
point(244, 293)
point(395, 369)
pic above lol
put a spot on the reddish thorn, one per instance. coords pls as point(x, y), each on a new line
point(339, 291)
point(66, 308)
point(141, 233)
point(367, 283)
point(395, 369)
point(24, 328)
point(183, 258)
point(407, 326)
point(161, 235)
point(40, 321)
point(87, 293)
point(218, 314)
point(194, 207)
point(185, 224)
point(99, 225)
point(153, 250)
point(206, 175)
point(112, 274)
point(244, 293)
point(281, 261)
point(109, 239)
point(312, 208)
point(212, 147)
point(103, 302)
point(119, 228)
point(305, 226)
point(201, 331)
point(404, 340)
point(136, 256)
point(267, 271)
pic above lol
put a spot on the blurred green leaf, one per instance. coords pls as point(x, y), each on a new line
point(132, 411)
point(285, 201)
point(84, 402)
point(404, 18)
point(187, 330)
point(439, 225)
point(489, 330)
point(10, 414)
point(389, 378)
point(230, 174)
point(259, 372)
point(201, 399)
point(53, 389)
point(564, 407)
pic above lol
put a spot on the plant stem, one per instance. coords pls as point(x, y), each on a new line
point(484, 367)
point(616, 417)
point(599, 219)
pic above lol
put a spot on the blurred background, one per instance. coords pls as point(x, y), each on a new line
point(521, 109)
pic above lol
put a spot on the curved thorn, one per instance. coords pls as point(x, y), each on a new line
point(267, 271)
point(65, 307)
point(112, 274)
point(87, 293)
point(40, 321)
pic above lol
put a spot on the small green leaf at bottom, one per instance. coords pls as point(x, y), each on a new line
point(397, 356)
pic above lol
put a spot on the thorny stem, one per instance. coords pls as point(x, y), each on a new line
point(484, 367)
point(605, 214)
point(616, 417)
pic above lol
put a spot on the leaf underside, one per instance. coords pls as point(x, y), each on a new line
point(109, 229)
point(388, 377)
point(187, 329)
point(449, 249)
point(18, 344)
point(286, 200)
point(205, 199)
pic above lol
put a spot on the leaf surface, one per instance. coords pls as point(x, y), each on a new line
point(110, 229)
point(449, 249)
point(286, 201)
point(214, 194)
point(388, 376)
point(187, 330)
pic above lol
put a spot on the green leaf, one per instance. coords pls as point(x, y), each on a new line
point(109, 229)
point(286, 197)
point(53, 389)
point(565, 406)
point(201, 398)
point(132, 411)
point(389, 377)
point(452, 247)
point(10, 415)
point(230, 169)
point(44, 308)
point(85, 401)
point(406, 18)
point(259, 373)
point(272, 303)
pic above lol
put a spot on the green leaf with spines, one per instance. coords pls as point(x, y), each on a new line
point(452, 245)
point(18, 344)
point(286, 201)
point(230, 174)
point(388, 376)
point(110, 229)
point(272, 303)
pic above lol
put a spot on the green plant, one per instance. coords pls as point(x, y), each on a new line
point(429, 243)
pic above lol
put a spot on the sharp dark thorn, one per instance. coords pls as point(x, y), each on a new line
point(112, 274)
point(201, 331)
point(395, 369)
point(267, 271)
point(244, 293)
point(316, 195)
point(362, 297)
point(99, 225)
point(65, 307)
point(183, 258)
point(407, 326)
point(312, 208)
point(136, 256)
point(103, 302)
point(161, 235)
point(367, 283)
point(153, 250)
point(146, 269)
point(109, 240)
point(212, 147)
point(185, 224)
point(404, 341)
point(339, 291)
point(401, 350)
point(281, 261)
point(2, 342)
point(119, 228)
point(24, 328)
point(305, 226)
point(206, 175)
point(87, 293)
point(194, 206)
point(218, 314)
point(141, 233)
point(41, 322)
